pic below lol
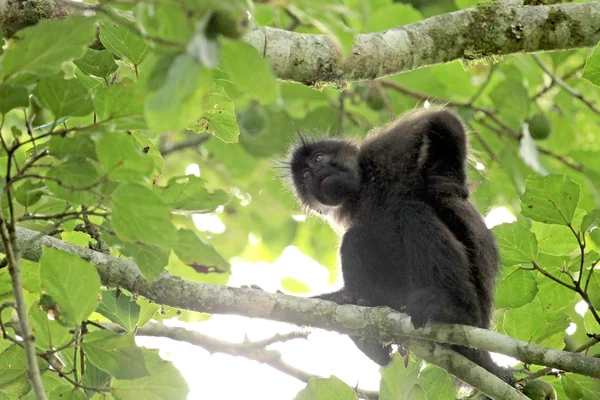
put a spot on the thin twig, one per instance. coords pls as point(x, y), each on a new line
point(191, 143)
point(563, 85)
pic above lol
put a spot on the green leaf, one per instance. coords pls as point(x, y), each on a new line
point(147, 147)
point(98, 63)
point(219, 118)
point(294, 285)
point(49, 334)
point(139, 215)
point(437, 383)
point(71, 282)
point(554, 239)
point(580, 387)
point(398, 380)
point(79, 145)
point(119, 36)
point(591, 221)
point(594, 287)
point(147, 311)
point(123, 311)
point(517, 288)
point(188, 194)
point(199, 255)
point(163, 382)
point(178, 102)
point(150, 259)
point(13, 97)
point(95, 377)
point(64, 97)
point(326, 389)
point(67, 392)
point(531, 324)
point(517, 244)
point(552, 296)
point(166, 19)
point(120, 157)
point(72, 180)
point(392, 16)
point(122, 105)
point(592, 67)
point(327, 18)
point(39, 50)
point(13, 378)
point(461, 4)
point(29, 193)
point(551, 199)
point(115, 353)
point(512, 100)
point(254, 75)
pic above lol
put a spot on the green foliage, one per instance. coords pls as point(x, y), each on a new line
point(322, 389)
point(98, 133)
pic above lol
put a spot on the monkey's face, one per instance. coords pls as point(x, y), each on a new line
point(325, 173)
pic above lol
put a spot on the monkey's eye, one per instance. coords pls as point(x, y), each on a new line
point(319, 157)
point(305, 173)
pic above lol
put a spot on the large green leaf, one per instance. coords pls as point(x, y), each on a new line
point(41, 49)
point(531, 324)
point(119, 36)
point(115, 353)
point(517, 244)
point(254, 75)
point(592, 67)
point(201, 256)
point(49, 333)
point(392, 16)
point(219, 117)
point(551, 199)
point(72, 283)
point(326, 389)
point(399, 381)
point(12, 97)
point(64, 97)
point(179, 100)
point(13, 371)
point(121, 310)
point(98, 63)
point(189, 194)
point(122, 105)
point(139, 215)
point(580, 387)
point(163, 382)
point(121, 159)
point(517, 288)
point(150, 259)
point(73, 179)
point(437, 383)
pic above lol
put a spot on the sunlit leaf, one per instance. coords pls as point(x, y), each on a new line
point(517, 244)
point(139, 215)
point(163, 382)
point(219, 117)
point(121, 310)
point(37, 50)
point(201, 256)
point(98, 63)
point(551, 199)
point(531, 324)
point(517, 288)
point(325, 389)
point(592, 67)
point(115, 353)
point(72, 283)
point(118, 35)
point(64, 97)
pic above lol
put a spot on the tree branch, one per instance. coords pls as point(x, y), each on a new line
point(470, 34)
point(379, 323)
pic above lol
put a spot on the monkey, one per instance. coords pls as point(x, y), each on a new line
point(411, 239)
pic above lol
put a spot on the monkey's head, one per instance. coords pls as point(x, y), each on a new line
point(325, 173)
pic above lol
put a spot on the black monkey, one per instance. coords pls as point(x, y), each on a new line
point(411, 239)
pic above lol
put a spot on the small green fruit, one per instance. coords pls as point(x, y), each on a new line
point(253, 120)
point(540, 126)
point(539, 390)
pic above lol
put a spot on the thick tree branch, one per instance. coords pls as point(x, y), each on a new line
point(475, 33)
point(471, 34)
point(380, 323)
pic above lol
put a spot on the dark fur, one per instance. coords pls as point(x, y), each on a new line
point(412, 240)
